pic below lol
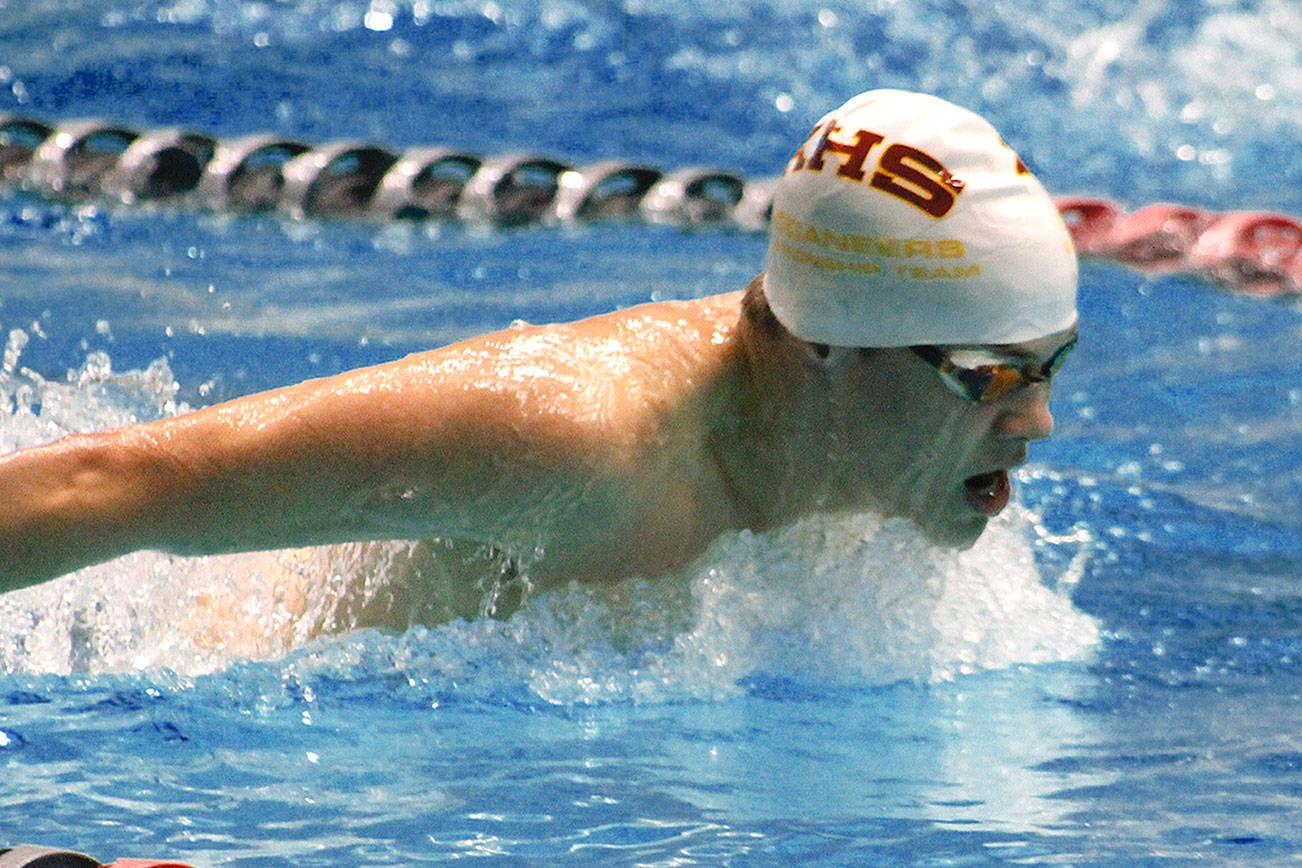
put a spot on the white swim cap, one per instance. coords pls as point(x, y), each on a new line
point(905, 220)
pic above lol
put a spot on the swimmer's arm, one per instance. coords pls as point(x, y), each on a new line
point(387, 452)
point(65, 506)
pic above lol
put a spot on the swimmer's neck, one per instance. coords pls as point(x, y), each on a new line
point(773, 433)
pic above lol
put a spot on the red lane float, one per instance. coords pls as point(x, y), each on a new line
point(1090, 222)
point(1243, 251)
point(1158, 237)
point(1251, 252)
point(34, 856)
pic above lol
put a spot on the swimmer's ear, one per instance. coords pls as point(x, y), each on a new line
point(809, 351)
point(824, 357)
point(836, 358)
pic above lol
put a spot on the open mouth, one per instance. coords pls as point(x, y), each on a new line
point(988, 493)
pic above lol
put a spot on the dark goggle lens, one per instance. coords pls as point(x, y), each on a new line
point(987, 383)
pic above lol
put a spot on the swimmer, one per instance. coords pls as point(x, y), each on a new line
point(895, 357)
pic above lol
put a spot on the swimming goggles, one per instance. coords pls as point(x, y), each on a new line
point(973, 375)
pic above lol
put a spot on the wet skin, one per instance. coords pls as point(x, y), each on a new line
point(919, 442)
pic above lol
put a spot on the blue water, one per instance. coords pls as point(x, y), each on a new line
point(1111, 677)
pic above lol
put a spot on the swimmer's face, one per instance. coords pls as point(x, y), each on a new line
point(912, 446)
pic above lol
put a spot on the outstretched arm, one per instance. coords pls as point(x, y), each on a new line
point(433, 444)
point(581, 439)
point(71, 503)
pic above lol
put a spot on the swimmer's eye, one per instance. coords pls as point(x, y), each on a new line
point(980, 377)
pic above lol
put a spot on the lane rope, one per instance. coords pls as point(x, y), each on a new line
point(1258, 253)
point(1253, 252)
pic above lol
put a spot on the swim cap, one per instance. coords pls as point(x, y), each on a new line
point(906, 220)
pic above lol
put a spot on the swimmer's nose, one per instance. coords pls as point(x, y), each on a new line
point(1025, 415)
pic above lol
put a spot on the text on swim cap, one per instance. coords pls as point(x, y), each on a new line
point(872, 245)
point(792, 237)
point(902, 171)
point(910, 272)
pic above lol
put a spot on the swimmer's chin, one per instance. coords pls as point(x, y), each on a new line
point(961, 535)
point(954, 533)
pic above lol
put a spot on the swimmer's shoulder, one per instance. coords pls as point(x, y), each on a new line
point(618, 367)
point(688, 317)
point(685, 323)
point(725, 307)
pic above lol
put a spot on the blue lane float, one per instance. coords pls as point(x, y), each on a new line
point(338, 179)
point(609, 189)
point(19, 139)
point(159, 164)
point(425, 183)
point(693, 197)
point(512, 190)
point(72, 162)
point(247, 173)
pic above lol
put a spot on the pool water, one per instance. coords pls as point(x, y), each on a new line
point(1112, 676)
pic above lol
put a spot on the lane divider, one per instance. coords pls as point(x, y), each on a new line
point(1253, 252)
point(86, 160)
point(1258, 253)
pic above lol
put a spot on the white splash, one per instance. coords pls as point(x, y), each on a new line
point(850, 600)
